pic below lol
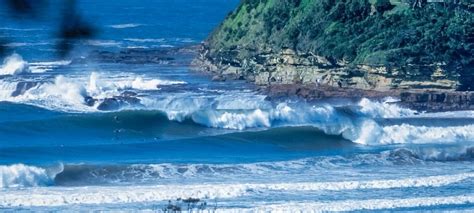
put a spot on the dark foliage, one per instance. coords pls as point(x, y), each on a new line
point(359, 31)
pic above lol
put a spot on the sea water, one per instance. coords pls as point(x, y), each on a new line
point(184, 136)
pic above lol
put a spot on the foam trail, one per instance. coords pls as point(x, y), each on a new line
point(42, 67)
point(143, 84)
point(432, 181)
point(123, 194)
point(124, 26)
point(103, 43)
point(14, 65)
point(145, 40)
point(358, 205)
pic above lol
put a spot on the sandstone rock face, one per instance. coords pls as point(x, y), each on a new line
point(438, 100)
point(289, 67)
point(287, 73)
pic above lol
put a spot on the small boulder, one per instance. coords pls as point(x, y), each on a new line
point(219, 78)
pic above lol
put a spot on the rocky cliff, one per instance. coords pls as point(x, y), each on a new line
point(359, 44)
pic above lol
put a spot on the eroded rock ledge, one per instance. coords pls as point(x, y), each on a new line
point(430, 87)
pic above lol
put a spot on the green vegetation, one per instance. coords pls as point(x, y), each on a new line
point(356, 31)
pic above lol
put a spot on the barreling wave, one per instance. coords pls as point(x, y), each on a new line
point(20, 175)
point(359, 126)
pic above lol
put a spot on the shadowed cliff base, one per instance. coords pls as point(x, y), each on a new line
point(421, 100)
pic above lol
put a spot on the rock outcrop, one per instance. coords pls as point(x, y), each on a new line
point(289, 67)
point(347, 47)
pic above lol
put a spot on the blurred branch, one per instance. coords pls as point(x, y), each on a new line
point(26, 7)
point(72, 27)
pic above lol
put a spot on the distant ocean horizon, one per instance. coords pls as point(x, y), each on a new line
point(123, 124)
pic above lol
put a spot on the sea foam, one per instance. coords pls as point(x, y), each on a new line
point(14, 65)
point(359, 205)
point(123, 194)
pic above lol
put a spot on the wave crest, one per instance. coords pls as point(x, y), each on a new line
point(20, 175)
point(14, 65)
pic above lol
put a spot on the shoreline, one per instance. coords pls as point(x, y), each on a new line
point(426, 99)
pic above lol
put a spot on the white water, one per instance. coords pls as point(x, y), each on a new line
point(14, 65)
point(358, 205)
point(124, 194)
point(42, 67)
point(20, 175)
point(252, 111)
point(67, 94)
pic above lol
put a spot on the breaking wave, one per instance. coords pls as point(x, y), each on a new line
point(20, 175)
point(14, 65)
point(70, 95)
point(360, 126)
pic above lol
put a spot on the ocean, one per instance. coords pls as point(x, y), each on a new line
point(123, 124)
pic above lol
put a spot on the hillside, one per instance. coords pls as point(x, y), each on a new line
point(366, 44)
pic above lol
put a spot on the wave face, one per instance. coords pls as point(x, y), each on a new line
point(122, 125)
